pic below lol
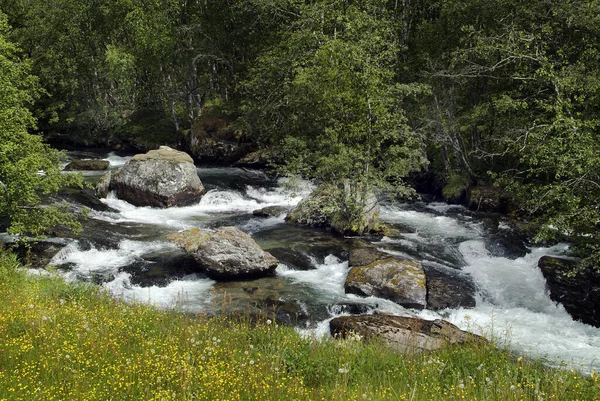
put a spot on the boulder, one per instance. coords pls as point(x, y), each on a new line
point(226, 254)
point(448, 289)
point(159, 178)
point(405, 334)
point(88, 164)
point(103, 186)
point(487, 198)
point(257, 159)
point(578, 290)
point(270, 211)
point(375, 273)
point(37, 254)
point(212, 140)
point(323, 208)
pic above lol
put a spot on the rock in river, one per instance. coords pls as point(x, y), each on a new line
point(159, 178)
point(322, 208)
point(226, 254)
point(405, 334)
point(88, 164)
point(578, 291)
point(379, 274)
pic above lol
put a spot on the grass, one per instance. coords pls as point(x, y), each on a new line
point(62, 341)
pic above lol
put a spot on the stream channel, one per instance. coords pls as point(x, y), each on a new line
point(125, 251)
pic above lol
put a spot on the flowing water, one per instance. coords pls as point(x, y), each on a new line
point(132, 259)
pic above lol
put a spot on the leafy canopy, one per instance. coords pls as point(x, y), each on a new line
point(28, 167)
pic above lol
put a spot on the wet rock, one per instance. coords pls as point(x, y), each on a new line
point(282, 312)
point(320, 209)
point(400, 280)
point(446, 289)
point(79, 198)
point(270, 211)
point(103, 186)
point(88, 164)
point(292, 258)
point(39, 253)
point(258, 159)
point(405, 334)
point(159, 178)
point(350, 308)
point(486, 198)
point(211, 140)
point(161, 268)
point(226, 254)
point(578, 291)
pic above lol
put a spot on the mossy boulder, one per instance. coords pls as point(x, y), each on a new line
point(256, 159)
point(378, 274)
point(404, 334)
point(338, 207)
point(577, 289)
point(88, 165)
point(213, 140)
point(486, 198)
point(226, 253)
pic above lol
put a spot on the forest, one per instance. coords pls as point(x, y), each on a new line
point(380, 93)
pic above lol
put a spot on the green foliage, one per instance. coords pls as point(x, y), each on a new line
point(457, 184)
point(29, 169)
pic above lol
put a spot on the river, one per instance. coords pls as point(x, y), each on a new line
point(136, 262)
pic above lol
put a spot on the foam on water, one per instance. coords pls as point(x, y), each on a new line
point(215, 202)
point(443, 207)
point(191, 293)
point(116, 161)
point(515, 307)
point(88, 263)
point(328, 277)
point(429, 224)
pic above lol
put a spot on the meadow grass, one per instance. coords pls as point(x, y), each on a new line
point(61, 341)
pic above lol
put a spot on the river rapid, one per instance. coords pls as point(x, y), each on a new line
point(132, 259)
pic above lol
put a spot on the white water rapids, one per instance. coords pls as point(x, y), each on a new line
point(513, 305)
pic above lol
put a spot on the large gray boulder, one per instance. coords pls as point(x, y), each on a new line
point(577, 289)
point(405, 334)
point(160, 178)
point(376, 273)
point(226, 253)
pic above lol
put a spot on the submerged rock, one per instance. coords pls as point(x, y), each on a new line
point(405, 334)
point(226, 254)
point(88, 164)
point(159, 178)
point(578, 291)
point(270, 211)
point(375, 273)
point(446, 289)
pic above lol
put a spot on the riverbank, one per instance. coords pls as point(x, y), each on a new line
point(73, 341)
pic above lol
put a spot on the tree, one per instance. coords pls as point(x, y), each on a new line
point(28, 168)
point(326, 96)
point(520, 79)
